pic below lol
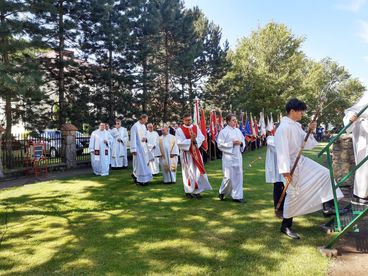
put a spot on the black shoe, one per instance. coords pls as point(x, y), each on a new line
point(141, 183)
point(288, 232)
point(187, 195)
point(134, 178)
point(221, 196)
point(197, 196)
point(328, 208)
point(328, 212)
point(238, 200)
point(359, 201)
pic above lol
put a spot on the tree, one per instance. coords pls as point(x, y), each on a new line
point(266, 69)
point(58, 25)
point(330, 82)
point(19, 74)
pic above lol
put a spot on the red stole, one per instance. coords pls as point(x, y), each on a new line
point(193, 149)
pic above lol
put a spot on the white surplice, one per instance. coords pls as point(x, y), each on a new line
point(272, 171)
point(311, 183)
point(166, 147)
point(232, 162)
point(119, 147)
point(100, 152)
point(192, 177)
point(141, 169)
point(152, 140)
point(359, 129)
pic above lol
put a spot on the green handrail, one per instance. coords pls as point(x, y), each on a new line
point(342, 131)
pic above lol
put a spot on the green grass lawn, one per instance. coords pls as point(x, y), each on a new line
point(108, 226)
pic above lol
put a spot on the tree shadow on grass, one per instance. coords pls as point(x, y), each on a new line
point(111, 226)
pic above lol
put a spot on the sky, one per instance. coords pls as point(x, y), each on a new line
point(332, 28)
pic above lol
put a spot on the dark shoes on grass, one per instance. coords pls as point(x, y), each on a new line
point(190, 196)
point(288, 232)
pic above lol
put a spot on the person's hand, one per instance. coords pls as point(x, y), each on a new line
point(105, 141)
point(236, 142)
point(144, 140)
point(312, 126)
point(119, 140)
point(353, 118)
point(134, 153)
point(287, 177)
point(172, 155)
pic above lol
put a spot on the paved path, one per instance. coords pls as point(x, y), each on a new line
point(24, 180)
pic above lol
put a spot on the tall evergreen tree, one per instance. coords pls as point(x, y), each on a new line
point(59, 31)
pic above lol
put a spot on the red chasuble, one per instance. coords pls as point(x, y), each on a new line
point(193, 149)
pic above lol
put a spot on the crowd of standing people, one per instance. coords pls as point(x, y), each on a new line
point(310, 184)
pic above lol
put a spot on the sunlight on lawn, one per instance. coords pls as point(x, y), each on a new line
point(91, 225)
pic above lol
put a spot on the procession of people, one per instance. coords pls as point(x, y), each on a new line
point(163, 151)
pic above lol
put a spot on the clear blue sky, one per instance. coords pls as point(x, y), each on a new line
point(334, 28)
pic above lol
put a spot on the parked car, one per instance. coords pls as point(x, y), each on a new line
point(52, 139)
point(82, 138)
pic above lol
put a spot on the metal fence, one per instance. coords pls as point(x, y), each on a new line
point(17, 155)
point(82, 143)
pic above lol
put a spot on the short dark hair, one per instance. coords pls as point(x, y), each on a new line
point(186, 115)
point(143, 116)
point(296, 105)
point(228, 117)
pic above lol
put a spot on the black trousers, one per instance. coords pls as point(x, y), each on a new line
point(278, 187)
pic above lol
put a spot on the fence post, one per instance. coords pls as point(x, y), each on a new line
point(69, 151)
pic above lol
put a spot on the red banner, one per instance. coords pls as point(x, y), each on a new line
point(204, 132)
point(213, 125)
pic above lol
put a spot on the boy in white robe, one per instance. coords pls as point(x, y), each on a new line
point(359, 129)
point(99, 147)
point(310, 186)
point(119, 146)
point(142, 173)
point(152, 140)
point(272, 171)
point(167, 150)
point(189, 139)
point(231, 142)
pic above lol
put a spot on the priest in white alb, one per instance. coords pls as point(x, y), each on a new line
point(359, 129)
point(119, 146)
point(142, 173)
point(99, 147)
point(152, 140)
point(167, 151)
point(310, 187)
point(231, 142)
point(189, 139)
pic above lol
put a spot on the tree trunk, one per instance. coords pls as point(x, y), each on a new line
point(191, 96)
point(166, 91)
point(111, 92)
point(8, 107)
point(144, 86)
point(61, 64)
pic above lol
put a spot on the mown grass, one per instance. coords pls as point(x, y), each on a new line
point(108, 226)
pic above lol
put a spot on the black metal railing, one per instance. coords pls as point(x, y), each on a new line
point(82, 144)
point(17, 149)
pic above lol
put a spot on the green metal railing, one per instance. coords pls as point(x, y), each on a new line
point(359, 215)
